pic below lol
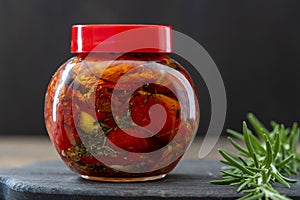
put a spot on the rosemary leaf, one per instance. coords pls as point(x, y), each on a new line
point(247, 139)
point(225, 181)
point(237, 146)
point(235, 133)
point(285, 161)
point(257, 125)
point(235, 163)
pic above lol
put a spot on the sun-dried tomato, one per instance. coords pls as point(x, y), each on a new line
point(133, 140)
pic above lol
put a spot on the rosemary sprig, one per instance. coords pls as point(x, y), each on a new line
point(268, 157)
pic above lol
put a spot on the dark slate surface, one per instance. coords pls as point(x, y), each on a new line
point(52, 180)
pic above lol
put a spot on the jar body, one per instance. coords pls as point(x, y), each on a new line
point(124, 117)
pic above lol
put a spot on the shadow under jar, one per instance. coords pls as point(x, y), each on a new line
point(121, 110)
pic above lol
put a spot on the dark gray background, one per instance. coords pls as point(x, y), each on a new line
point(255, 44)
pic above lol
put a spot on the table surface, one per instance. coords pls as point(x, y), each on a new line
point(52, 180)
point(20, 150)
point(42, 178)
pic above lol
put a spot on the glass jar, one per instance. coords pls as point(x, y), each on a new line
point(121, 109)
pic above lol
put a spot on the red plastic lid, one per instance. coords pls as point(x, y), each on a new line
point(121, 38)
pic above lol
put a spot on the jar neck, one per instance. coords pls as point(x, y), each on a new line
point(123, 56)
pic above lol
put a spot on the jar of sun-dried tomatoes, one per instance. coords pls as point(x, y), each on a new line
point(121, 109)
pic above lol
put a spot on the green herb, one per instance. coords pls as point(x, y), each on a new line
point(268, 157)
